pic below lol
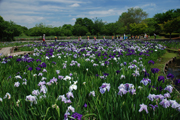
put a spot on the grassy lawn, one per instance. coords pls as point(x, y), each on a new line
point(160, 63)
point(20, 49)
point(157, 37)
point(10, 44)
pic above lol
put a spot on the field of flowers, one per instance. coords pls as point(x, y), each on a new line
point(75, 80)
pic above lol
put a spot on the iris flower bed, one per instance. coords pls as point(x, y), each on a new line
point(75, 80)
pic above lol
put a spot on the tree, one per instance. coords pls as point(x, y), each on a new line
point(177, 22)
point(86, 22)
point(168, 26)
point(79, 21)
point(2, 28)
point(98, 26)
point(79, 30)
point(67, 29)
point(151, 23)
point(134, 15)
point(137, 29)
point(57, 31)
point(168, 15)
point(160, 18)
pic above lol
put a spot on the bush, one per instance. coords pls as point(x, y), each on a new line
point(88, 33)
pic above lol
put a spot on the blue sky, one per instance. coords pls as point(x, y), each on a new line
point(59, 12)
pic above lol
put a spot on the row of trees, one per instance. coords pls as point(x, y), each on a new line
point(134, 22)
point(9, 29)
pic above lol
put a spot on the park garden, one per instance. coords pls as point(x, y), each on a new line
point(91, 80)
point(88, 80)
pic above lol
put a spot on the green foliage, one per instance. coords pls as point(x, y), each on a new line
point(88, 33)
point(114, 28)
point(169, 15)
point(98, 26)
point(151, 29)
point(160, 18)
point(137, 29)
point(134, 15)
point(9, 29)
point(170, 26)
point(79, 30)
point(86, 22)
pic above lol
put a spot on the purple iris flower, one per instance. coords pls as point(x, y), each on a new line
point(9, 77)
point(153, 106)
point(38, 60)
point(60, 77)
point(122, 91)
point(107, 62)
point(10, 57)
point(143, 107)
point(18, 60)
point(117, 71)
point(30, 68)
point(104, 87)
point(76, 115)
point(146, 74)
point(40, 66)
point(177, 81)
point(154, 70)
point(161, 78)
point(70, 74)
point(53, 62)
point(96, 75)
point(170, 76)
point(132, 91)
point(38, 69)
point(169, 88)
point(167, 95)
point(165, 103)
point(159, 97)
point(125, 63)
point(145, 81)
point(105, 57)
point(151, 62)
point(85, 105)
point(106, 74)
point(53, 80)
point(44, 65)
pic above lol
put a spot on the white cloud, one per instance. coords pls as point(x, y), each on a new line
point(73, 19)
point(75, 5)
point(23, 18)
point(148, 5)
point(107, 12)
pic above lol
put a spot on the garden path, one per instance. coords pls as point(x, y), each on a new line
point(5, 51)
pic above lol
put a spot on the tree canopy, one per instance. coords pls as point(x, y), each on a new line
point(134, 15)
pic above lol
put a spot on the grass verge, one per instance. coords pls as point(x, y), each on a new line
point(160, 63)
